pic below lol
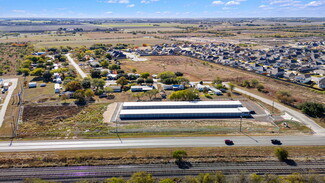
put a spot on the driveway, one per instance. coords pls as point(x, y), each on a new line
point(299, 116)
point(76, 66)
point(11, 89)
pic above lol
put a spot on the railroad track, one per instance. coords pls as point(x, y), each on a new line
point(159, 170)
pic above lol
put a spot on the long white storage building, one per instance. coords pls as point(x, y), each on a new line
point(181, 105)
point(183, 110)
point(184, 113)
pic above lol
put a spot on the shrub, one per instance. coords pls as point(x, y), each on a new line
point(281, 154)
point(179, 154)
point(313, 109)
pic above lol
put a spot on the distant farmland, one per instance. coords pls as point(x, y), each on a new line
point(42, 28)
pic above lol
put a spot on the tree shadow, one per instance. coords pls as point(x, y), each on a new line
point(183, 164)
point(290, 162)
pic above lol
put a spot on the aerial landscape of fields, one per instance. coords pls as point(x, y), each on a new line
point(161, 91)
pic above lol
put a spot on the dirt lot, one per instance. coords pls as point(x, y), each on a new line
point(63, 121)
point(197, 70)
point(154, 156)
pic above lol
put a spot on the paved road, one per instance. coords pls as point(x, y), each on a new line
point(11, 89)
point(301, 117)
point(129, 143)
point(158, 170)
point(75, 65)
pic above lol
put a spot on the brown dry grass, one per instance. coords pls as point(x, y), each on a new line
point(154, 156)
point(197, 70)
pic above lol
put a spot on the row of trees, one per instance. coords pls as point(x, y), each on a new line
point(168, 77)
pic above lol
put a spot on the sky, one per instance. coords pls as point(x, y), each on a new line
point(161, 8)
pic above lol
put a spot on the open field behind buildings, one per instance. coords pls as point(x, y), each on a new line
point(197, 70)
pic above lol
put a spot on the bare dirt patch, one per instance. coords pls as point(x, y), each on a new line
point(198, 70)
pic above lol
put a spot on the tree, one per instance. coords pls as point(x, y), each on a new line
point(108, 56)
point(151, 93)
point(179, 155)
point(140, 81)
point(47, 75)
point(25, 71)
point(254, 83)
point(98, 83)
point(313, 109)
point(217, 80)
point(108, 90)
point(37, 72)
point(281, 153)
point(182, 80)
point(80, 95)
point(246, 84)
point(179, 74)
point(260, 87)
point(95, 73)
point(138, 95)
point(122, 81)
point(114, 67)
point(115, 180)
point(134, 70)
point(220, 177)
point(254, 178)
point(285, 97)
point(89, 93)
point(231, 86)
point(141, 177)
point(104, 73)
point(166, 181)
point(145, 75)
point(149, 81)
point(166, 75)
point(184, 95)
point(73, 86)
point(104, 63)
point(86, 83)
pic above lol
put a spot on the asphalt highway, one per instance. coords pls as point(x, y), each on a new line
point(130, 143)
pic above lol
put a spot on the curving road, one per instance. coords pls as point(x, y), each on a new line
point(176, 142)
point(76, 66)
point(318, 130)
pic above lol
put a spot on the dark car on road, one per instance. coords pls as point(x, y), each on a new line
point(276, 142)
point(229, 142)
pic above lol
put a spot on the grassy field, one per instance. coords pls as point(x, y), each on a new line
point(88, 43)
point(154, 156)
point(144, 25)
point(197, 70)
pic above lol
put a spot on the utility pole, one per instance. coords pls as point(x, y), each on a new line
point(240, 125)
point(272, 107)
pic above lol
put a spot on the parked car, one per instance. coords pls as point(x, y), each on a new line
point(229, 142)
point(103, 95)
point(276, 142)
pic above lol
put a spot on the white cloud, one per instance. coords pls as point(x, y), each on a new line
point(108, 12)
point(148, 1)
point(232, 3)
point(19, 11)
point(119, 1)
point(130, 5)
point(265, 7)
point(314, 3)
point(216, 3)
